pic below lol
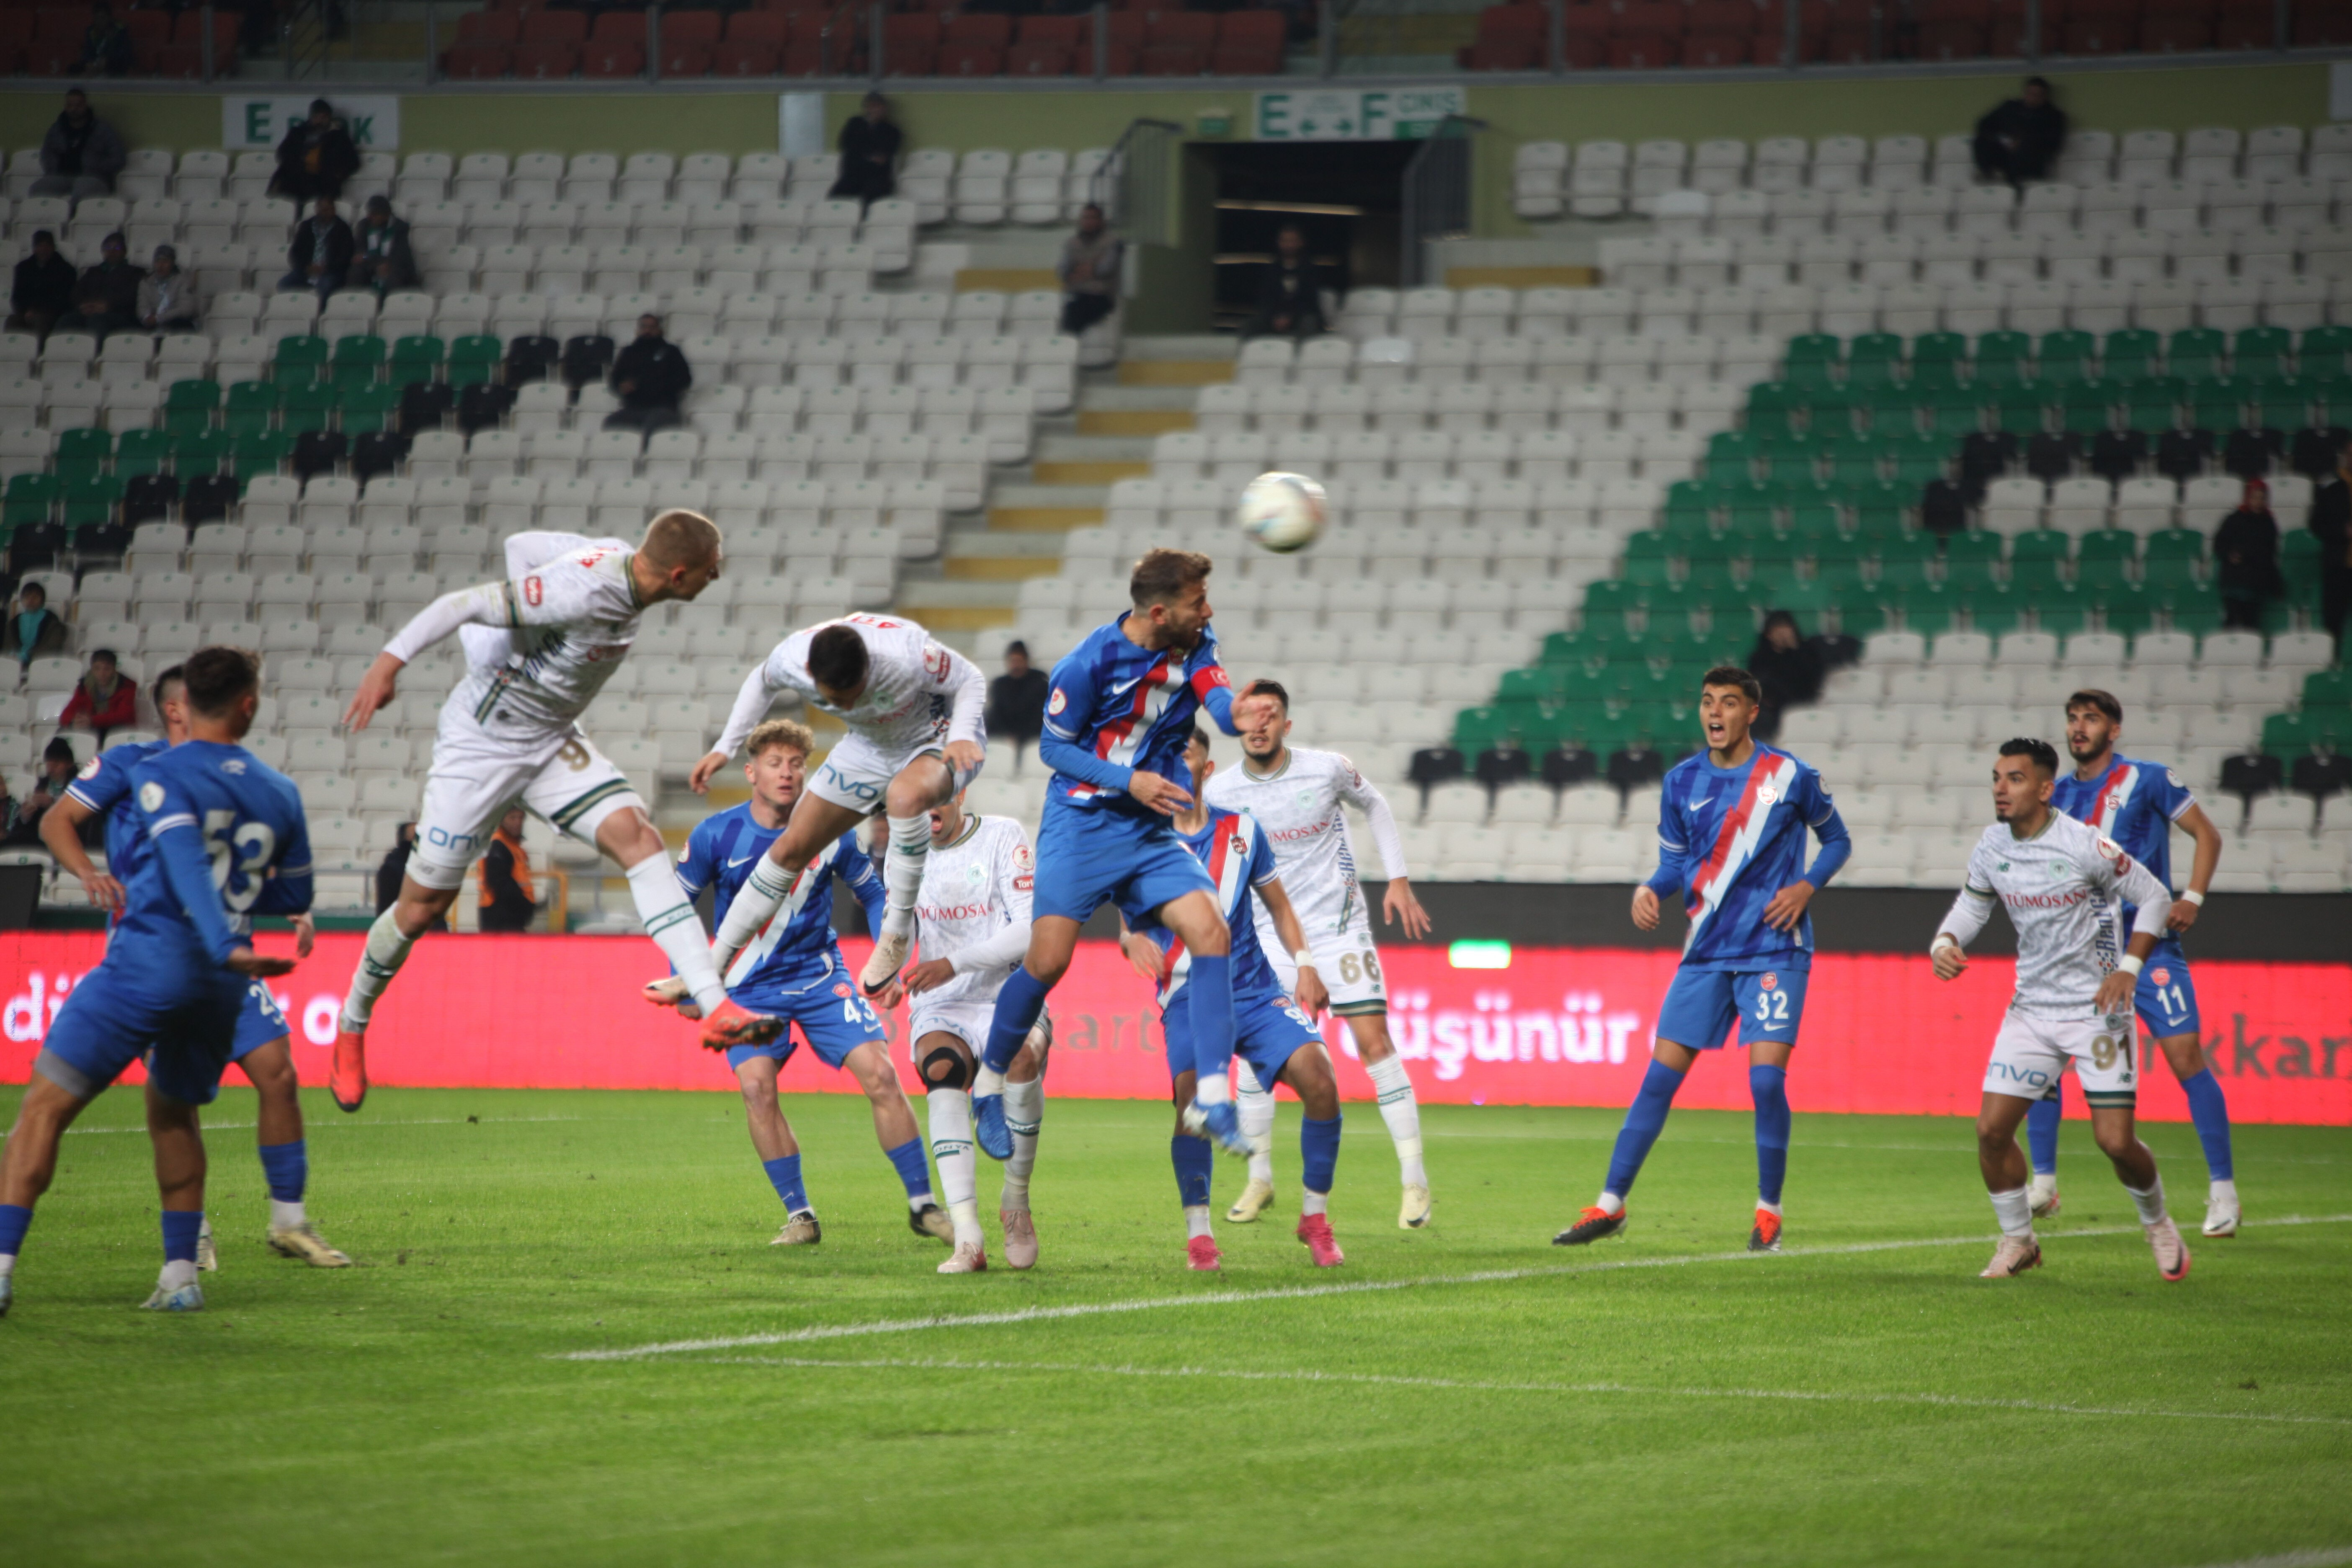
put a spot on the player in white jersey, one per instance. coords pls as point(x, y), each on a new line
point(914, 710)
point(973, 916)
point(540, 644)
point(2065, 885)
point(1300, 797)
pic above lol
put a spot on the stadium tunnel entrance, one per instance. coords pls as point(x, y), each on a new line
point(1346, 195)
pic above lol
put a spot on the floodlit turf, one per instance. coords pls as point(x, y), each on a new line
point(1652, 1399)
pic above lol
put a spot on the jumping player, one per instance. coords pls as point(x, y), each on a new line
point(263, 1047)
point(793, 970)
point(1731, 838)
point(2066, 886)
point(973, 916)
point(1298, 796)
point(1116, 725)
point(227, 841)
point(915, 711)
point(2138, 804)
point(1275, 1036)
point(538, 646)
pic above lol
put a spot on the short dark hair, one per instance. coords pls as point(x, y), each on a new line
point(2044, 754)
point(1732, 675)
point(41, 233)
point(378, 204)
point(2105, 702)
point(1199, 736)
point(1163, 574)
point(116, 240)
point(837, 657)
point(176, 674)
point(1274, 689)
point(218, 677)
point(58, 750)
point(40, 588)
point(1016, 645)
point(107, 653)
point(2041, 81)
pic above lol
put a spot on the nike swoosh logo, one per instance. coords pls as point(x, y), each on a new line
point(738, 860)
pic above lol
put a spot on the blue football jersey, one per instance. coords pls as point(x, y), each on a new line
point(1124, 707)
point(796, 945)
point(1731, 838)
point(104, 786)
point(226, 840)
point(1239, 856)
point(2134, 804)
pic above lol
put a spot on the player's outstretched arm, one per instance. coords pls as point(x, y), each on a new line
point(1312, 997)
point(379, 685)
point(61, 835)
point(2207, 861)
point(484, 605)
point(752, 700)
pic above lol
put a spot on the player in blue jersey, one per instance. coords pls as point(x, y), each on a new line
point(1273, 1033)
point(264, 1048)
point(793, 970)
point(2138, 804)
point(1116, 725)
point(1731, 840)
point(226, 840)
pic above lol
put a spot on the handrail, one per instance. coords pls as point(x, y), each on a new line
point(1436, 191)
point(1131, 186)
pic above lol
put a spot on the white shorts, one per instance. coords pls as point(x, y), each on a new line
point(478, 774)
point(1348, 964)
point(855, 774)
point(2029, 1054)
point(968, 1021)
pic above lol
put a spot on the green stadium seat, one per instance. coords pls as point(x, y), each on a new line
point(1860, 614)
point(1972, 558)
point(262, 452)
point(2063, 357)
point(359, 357)
point(474, 359)
point(1994, 610)
point(1542, 684)
point(1908, 560)
point(2328, 688)
point(417, 357)
point(2324, 352)
point(2088, 408)
point(306, 406)
point(2287, 736)
point(30, 498)
point(2126, 607)
point(196, 453)
point(1927, 610)
point(252, 408)
point(191, 404)
point(2262, 352)
point(2196, 351)
point(1943, 349)
point(2061, 610)
point(142, 452)
point(83, 452)
point(367, 408)
point(2022, 410)
point(2331, 398)
point(301, 357)
point(91, 500)
point(2299, 565)
point(1476, 730)
point(2130, 352)
point(2283, 402)
point(2217, 403)
point(2153, 402)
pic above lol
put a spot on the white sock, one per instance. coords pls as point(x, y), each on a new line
point(7, 1264)
point(178, 1274)
point(385, 951)
point(1024, 1112)
point(2043, 1185)
point(1257, 1122)
point(669, 919)
point(1212, 1088)
point(1772, 1209)
point(902, 871)
point(1313, 1203)
point(917, 1202)
point(2015, 1211)
point(1610, 1203)
point(2150, 1203)
point(1402, 1113)
point(2222, 1193)
point(959, 1159)
point(756, 902)
point(1196, 1220)
point(287, 1217)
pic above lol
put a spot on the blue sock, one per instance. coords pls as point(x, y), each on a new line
point(2041, 1134)
point(181, 1227)
point(1194, 1159)
point(912, 1169)
point(16, 1219)
point(1318, 1152)
point(287, 1167)
point(1210, 992)
point(1644, 1119)
point(1770, 1087)
point(2210, 1113)
point(1018, 1001)
point(785, 1174)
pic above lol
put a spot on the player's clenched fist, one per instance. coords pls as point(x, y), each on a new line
point(1950, 960)
point(1646, 908)
point(1163, 795)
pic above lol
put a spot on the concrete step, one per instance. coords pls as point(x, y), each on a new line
point(1178, 360)
point(1047, 508)
point(1181, 346)
point(1005, 279)
point(1135, 410)
point(959, 605)
point(1000, 555)
point(1091, 460)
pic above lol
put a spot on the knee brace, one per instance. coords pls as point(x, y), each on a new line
point(945, 1069)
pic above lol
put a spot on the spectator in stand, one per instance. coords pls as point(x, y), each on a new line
point(319, 257)
point(870, 153)
point(2019, 139)
point(315, 159)
point(383, 262)
point(105, 44)
point(81, 154)
point(1788, 667)
point(2331, 520)
point(106, 298)
point(168, 301)
point(58, 770)
point(9, 812)
point(508, 902)
point(43, 290)
point(650, 377)
point(394, 868)
point(2245, 557)
point(1089, 270)
point(35, 630)
point(104, 699)
point(1016, 700)
point(1290, 292)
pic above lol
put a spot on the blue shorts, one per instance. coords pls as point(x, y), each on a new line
point(831, 1015)
point(1268, 1031)
point(1701, 1003)
point(258, 1022)
point(1096, 856)
point(108, 1022)
point(2166, 998)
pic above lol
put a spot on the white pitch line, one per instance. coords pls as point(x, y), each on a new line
point(1802, 1396)
point(1302, 1292)
point(339, 1126)
point(2322, 1557)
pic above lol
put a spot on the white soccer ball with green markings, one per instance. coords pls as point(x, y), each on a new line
point(1283, 512)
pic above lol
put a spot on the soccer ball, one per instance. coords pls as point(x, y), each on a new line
point(1283, 511)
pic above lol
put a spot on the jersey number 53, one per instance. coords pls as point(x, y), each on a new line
point(238, 857)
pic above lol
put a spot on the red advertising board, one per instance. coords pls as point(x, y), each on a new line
point(1558, 1027)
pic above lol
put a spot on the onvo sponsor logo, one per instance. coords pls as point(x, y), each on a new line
point(1578, 1028)
point(27, 1015)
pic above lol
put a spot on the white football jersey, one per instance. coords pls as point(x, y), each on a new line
point(1302, 810)
point(543, 642)
point(2066, 889)
point(974, 889)
point(917, 693)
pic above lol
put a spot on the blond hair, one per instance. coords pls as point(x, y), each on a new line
point(680, 537)
point(788, 733)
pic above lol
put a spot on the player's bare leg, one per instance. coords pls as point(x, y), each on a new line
point(2005, 1170)
point(924, 783)
point(1399, 1109)
point(1309, 1074)
point(778, 1152)
point(28, 1165)
point(814, 824)
point(2186, 1056)
point(902, 1142)
point(178, 1144)
point(2112, 1127)
point(1024, 1114)
point(285, 1161)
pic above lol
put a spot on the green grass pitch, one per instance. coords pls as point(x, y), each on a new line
point(1863, 1399)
